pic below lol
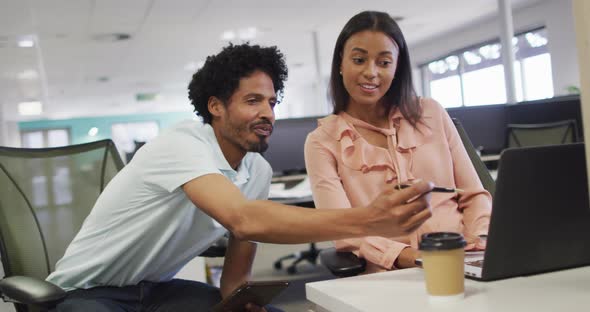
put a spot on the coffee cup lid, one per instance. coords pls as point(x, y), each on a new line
point(441, 241)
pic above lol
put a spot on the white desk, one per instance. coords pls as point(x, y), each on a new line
point(493, 157)
point(404, 290)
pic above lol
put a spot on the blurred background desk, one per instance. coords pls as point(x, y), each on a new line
point(491, 157)
point(404, 290)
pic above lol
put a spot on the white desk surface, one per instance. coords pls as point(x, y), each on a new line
point(404, 290)
point(492, 157)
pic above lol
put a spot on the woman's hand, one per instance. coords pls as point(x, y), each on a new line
point(476, 242)
point(400, 212)
point(407, 258)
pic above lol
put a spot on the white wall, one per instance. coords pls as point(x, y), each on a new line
point(555, 15)
point(304, 99)
point(581, 12)
point(9, 133)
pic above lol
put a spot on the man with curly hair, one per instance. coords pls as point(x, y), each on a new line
point(183, 189)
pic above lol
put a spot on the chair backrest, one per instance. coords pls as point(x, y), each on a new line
point(523, 135)
point(482, 171)
point(45, 196)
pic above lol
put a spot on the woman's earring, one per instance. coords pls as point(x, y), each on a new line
point(340, 73)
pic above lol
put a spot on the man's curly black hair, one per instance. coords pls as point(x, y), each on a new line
point(220, 75)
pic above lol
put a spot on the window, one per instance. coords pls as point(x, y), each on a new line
point(475, 76)
point(57, 189)
point(130, 136)
point(446, 82)
point(45, 138)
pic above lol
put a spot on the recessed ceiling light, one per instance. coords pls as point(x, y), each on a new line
point(247, 33)
point(30, 108)
point(193, 66)
point(26, 42)
point(28, 74)
point(228, 35)
point(243, 34)
point(190, 66)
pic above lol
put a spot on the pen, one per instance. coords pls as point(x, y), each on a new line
point(435, 189)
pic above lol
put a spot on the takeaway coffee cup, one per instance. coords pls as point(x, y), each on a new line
point(442, 259)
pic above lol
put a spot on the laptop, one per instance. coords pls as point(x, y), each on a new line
point(540, 215)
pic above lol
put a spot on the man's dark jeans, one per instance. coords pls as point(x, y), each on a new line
point(176, 295)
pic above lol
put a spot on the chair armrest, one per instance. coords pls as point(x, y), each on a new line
point(28, 290)
point(342, 264)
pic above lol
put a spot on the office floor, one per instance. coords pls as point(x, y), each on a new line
point(293, 298)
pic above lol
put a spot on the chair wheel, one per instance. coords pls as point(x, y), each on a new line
point(291, 270)
point(278, 265)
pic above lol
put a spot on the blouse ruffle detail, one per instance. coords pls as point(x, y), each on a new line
point(358, 154)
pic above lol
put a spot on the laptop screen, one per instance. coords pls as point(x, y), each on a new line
point(541, 213)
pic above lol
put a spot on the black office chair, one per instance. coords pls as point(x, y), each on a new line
point(482, 171)
point(560, 132)
point(45, 195)
point(310, 255)
point(344, 264)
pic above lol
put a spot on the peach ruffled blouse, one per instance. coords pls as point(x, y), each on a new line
point(347, 171)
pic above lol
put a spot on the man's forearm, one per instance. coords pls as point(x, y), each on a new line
point(392, 213)
point(237, 265)
point(270, 222)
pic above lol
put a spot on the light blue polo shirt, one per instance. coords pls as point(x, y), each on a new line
point(143, 227)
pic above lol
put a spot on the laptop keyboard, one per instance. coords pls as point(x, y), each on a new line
point(476, 263)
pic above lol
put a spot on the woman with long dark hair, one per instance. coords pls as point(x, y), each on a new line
point(382, 134)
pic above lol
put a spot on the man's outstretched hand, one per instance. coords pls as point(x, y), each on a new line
point(400, 212)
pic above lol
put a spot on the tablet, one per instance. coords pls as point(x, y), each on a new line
point(259, 293)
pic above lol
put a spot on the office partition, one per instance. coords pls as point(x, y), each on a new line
point(285, 151)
